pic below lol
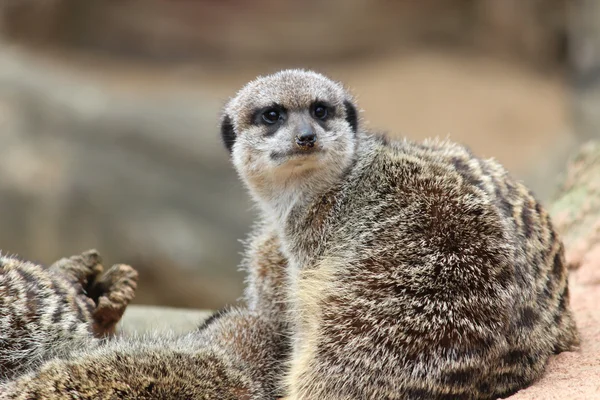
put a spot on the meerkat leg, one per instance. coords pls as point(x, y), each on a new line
point(46, 312)
point(266, 268)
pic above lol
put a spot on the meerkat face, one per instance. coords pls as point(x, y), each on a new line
point(290, 127)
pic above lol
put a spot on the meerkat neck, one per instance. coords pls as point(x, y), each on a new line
point(278, 197)
point(299, 184)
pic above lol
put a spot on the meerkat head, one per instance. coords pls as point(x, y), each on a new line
point(290, 132)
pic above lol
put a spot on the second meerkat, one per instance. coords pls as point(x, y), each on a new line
point(415, 271)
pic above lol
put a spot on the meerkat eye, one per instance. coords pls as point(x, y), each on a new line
point(320, 111)
point(271, 116)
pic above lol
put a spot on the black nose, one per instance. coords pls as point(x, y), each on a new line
point(306, 139)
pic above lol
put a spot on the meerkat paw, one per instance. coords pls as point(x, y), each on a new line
point(112, 293)
point(108, 294)
point(82, 269)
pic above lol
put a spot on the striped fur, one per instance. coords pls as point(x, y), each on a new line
point(49, 312)
point(415, 270)
point(381, 270)
point(229, 359)
point(237, 354)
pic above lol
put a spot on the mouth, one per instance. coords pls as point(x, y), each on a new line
point(296, 153)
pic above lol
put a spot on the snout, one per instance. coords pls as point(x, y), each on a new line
point(306, 137)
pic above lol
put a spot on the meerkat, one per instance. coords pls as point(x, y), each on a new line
point(232, 358)
point(414, 270)
point(47, 312)
point(238, 353)
point(393, 270)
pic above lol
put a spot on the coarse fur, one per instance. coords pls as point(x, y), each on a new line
point(228, 360)
point(414, 270)
point(48, 312)
point(399, 271)
point(239, 353)
point(275, 173)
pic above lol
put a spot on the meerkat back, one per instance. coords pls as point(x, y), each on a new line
point(454, 285)
point(415, 271)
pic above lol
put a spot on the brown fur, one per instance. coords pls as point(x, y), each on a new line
point(228, 360)
point(45, 312)
point(394, 270)
point(415, 270)
point(237, 354)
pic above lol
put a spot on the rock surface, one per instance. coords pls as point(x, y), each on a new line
point(237, 31)
point(141, 319)
point(142, 176)
point(127, 158)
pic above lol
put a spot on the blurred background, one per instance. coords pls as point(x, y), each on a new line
point(109, 111)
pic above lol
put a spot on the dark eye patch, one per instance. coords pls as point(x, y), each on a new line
point(266, 115)
point(351, 115)
point(259, 118)
point(227, 133)
point(321, 111)
point(271, 116)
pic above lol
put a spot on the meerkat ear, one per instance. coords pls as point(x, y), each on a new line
point(351, 115)
point(227, 132)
